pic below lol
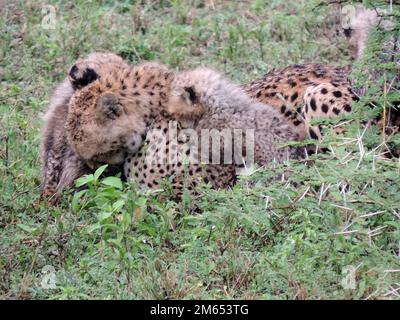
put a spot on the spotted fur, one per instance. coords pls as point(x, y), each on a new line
point(302, 93)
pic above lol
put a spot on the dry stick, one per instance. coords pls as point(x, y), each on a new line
point(384, 110)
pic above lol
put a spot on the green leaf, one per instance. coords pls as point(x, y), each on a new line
point(113, 182)
point(104, 215)
point(99, 171)
point(84, 180)
point(118, 205)
point(93, 227)
point(141, 201)
point(75, 206)
point(27, 228)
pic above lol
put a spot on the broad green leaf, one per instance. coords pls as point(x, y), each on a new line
point(105, 215)
point(75, 206)
point(113, 182)
point(84, 180)
point(27, 228)
point(118, 204)
point(99, 171)
point(93, 227)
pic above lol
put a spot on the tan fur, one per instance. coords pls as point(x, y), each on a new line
point(359, 28)
point(285, 89)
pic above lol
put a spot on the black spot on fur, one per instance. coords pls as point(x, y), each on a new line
point(347, 108)
point(313, 135)
point(347, 32)
point(313, 104)
point(336, 111)
point(325, 108)
point(292, 83)
point(324, 91)
point(283, 108)
point(294, 96)
point(337, 94)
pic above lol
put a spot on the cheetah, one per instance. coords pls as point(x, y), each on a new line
point(115, 118)
point(60, 165)
point(303, 93)
point(358, 33)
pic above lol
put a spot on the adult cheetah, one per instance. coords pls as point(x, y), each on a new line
point(303, 93)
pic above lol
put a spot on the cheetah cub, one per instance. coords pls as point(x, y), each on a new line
point(60, 164)
point(203, 99)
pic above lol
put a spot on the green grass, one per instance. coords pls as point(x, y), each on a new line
point(268, 241)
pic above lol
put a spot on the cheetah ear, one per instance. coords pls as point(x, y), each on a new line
point(109, 107)
point(190, 95)
point(81, 77)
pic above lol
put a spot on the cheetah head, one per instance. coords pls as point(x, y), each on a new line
point(202, 90)
point(361, 22)
point(102, 124)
